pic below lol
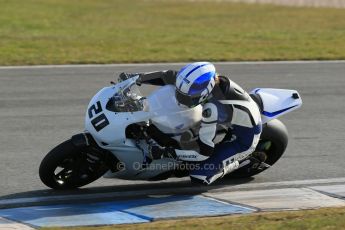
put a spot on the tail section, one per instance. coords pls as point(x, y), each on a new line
point(274, 103)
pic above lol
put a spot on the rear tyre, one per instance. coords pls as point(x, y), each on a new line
point(272, 144)
point(68, 167)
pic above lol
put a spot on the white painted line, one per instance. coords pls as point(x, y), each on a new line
point(280, 199)
point(251, 209)
point(169, 64)
point(283, 184)
point(281, 62)
point(127, 194)
point(11, 225)
point(332, 190)
point(87, 65)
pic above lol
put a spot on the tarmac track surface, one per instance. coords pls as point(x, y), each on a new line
point(41, 107)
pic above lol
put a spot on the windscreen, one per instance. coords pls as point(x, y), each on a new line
point(128, 99)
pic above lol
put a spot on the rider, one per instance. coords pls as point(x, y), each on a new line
point(226, 109)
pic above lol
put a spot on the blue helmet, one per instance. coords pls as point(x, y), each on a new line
point(194, 83)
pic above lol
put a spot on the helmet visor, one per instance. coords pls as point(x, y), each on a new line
point(187, 100)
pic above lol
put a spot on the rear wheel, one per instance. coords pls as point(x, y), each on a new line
point(67, 166)
point(272, 145)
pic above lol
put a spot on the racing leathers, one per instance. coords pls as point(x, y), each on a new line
point(229, 130)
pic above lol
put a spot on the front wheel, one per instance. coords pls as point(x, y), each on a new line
point(67, 166)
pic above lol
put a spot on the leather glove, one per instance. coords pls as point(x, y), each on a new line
point(124, 76)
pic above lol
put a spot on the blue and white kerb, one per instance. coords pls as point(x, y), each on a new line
point(194, 83)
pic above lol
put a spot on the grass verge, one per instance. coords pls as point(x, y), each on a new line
point(327, 218)
point(113, 31)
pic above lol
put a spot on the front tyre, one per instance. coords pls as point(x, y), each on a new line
point(67, 166)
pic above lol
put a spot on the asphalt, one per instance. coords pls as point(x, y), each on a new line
point(41, 107)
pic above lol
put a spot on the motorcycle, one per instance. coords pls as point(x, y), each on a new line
point(115, 144)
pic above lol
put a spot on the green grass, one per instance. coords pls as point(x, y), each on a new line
point(298, 220)
point(105, 31)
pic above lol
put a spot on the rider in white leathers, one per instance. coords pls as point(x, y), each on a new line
point(230, 127)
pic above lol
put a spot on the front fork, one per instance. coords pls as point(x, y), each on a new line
point(85, 140)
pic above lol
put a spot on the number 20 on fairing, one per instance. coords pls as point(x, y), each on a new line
point(100, 121)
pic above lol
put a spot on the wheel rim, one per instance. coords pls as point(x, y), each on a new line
point(76, 169)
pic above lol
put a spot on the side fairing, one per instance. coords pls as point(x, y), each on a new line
point(108, 128)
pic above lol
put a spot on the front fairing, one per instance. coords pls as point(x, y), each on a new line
point(106, 126)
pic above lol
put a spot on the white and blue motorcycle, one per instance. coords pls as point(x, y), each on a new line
point(115, 144)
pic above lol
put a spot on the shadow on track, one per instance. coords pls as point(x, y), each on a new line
point(128, 191)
